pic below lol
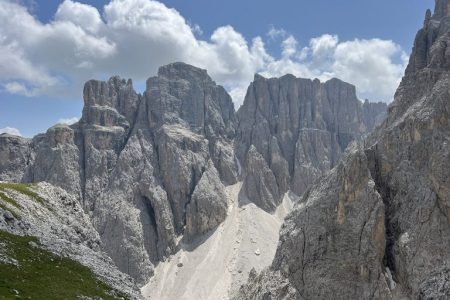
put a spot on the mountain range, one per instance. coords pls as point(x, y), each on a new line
point(142, 178)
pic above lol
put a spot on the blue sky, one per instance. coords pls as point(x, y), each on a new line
point(363, 42)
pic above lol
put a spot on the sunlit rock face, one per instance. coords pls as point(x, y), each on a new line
point(151, 168)
point(378, 225)
point(142, 166)
point(300, 128)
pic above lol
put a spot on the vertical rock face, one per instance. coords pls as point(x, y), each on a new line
point(15, 155)
point(208, 205)
point(56, 159)
point(335, 236)
point(187, 96)
point(155, 183)
point(150, 168)
point(339, 233)
point(300, 128)
point(378, 225)
point(260, 181)
point(373, 114)
point(146, 168)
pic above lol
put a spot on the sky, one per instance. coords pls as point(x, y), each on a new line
point(48, 49)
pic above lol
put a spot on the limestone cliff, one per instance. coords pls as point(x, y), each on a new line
point(300, 128)
point(150, 169)
point(378, 225)
point(135, 162)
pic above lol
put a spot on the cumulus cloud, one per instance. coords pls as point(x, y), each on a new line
point(368, 64)
point(274, 32)
point(85, 16)
point(82, 43)
point(10, 130)
point(68, 121)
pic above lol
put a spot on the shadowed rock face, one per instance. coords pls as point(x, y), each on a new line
point(150, 168)
point(136, 162)
point(299, 128)
point(378, 225)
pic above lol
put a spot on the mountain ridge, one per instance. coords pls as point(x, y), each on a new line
point(149, 169)
point(377, 226)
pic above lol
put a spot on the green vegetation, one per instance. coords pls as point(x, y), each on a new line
point(9, 200)
point(43, 275)
point(2, 206)
point(22, 188)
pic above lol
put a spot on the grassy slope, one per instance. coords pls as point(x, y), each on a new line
point(41, 274)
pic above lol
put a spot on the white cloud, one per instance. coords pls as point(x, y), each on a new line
point(133, 38)
point(375, 66)
point(68, 121)
point(10, 130)
point(289, 47)
point(322, 50)
point(237, 93)
point(368, 64)
point(83, 15)
point(196, 29)
point(274, 32)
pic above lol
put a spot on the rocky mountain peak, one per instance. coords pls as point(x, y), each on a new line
point(295, 129)
point(442, 9)
point(377, 226)
point(104, 93)
point(186, 95)
point(429, 59)
point(183, 71)
point(109, 103)
point(151, 168)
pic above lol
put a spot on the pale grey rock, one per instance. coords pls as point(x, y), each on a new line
point(157, 170)
point(437, 285)
point(260, 185)
point(300, 127)
point(441, 10)
point(134, 162)
point(316, 152)
point(8, 216)
point(183, 155)
point(109, 110)
point(374, 114)
point(185, 95)
point(15, 156)
point(268, 286)
point(208, 206)
point(62, 227)
point(378, 226)
point(56, 159)
point(337, 236)
point(332, 245)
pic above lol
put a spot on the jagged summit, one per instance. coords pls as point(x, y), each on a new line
point(9, 135)
point(297, 129)
point(150, 169)
point(183, 70)
point(377, 226)
point(139, 157)
point(288, 76)
point(441, 9)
